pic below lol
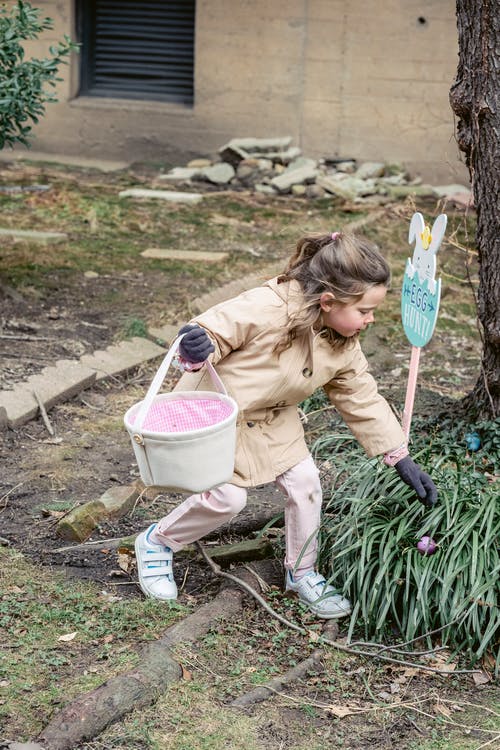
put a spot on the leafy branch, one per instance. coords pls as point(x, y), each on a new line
point(26, 84)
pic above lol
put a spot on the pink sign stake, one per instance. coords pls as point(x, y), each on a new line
point(410, 390)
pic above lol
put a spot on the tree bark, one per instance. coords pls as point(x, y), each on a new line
point(474, 98)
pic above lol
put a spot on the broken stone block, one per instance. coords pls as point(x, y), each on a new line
point(180, 174)
point(272, 148)
point(116, 502)
point(284, 182)
point(264, 189)
point(165, 335)
point(199, 256)
point(254, 145)
point(370, 170)
point(52, 238)
point(401, 191)
point(314, 191)
point(346, 186)
point(199, 163)
point(349, 167)
point(219, 174)
point(164, 195)
point(53, 384)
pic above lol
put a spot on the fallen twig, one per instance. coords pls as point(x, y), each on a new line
point(5, 497)
point(44, 414)
point(322, 640)
point(263, 692)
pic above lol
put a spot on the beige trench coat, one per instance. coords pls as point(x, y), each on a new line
point(268, 387)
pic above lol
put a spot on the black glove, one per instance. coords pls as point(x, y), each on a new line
point(195, 346)
point(412, 475)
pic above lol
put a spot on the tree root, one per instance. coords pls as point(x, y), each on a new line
point(89, 714)
point(303, 668)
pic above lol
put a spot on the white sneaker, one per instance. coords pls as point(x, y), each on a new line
point(320, 597)
point(154, 567)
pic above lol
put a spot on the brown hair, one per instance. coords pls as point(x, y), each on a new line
point(343, 264)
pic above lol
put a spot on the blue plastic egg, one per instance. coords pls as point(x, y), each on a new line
point(472, 441)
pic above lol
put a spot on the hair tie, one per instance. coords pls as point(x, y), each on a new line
point(335, 236)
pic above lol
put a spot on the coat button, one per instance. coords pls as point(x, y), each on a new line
point(250, 424)
point(306, 372)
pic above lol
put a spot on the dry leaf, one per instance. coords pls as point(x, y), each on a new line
point(441, 708)
point(384, 695)
point(186, 674)
point(489, 661)
point(67, 637)
point(47, 513)
point(481, 678)
point(124, 561)
point(340, 711)
point(359, 670)
point(108, 638)
point(441, 662)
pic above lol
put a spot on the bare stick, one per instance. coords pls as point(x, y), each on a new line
point(321, 640)
point(263, 692)
point(44, 414)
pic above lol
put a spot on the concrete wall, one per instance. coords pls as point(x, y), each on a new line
point(343, 77)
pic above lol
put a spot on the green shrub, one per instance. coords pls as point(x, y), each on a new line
point(373, 521)
point(23, 82)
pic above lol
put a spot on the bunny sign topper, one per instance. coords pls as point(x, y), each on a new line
point(420, 297)
point(421, 291)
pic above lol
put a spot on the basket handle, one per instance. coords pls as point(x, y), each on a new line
point(160, 377)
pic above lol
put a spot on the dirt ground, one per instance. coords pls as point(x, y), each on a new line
point(43, 476)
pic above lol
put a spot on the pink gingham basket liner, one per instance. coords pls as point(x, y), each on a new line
point(184, 415)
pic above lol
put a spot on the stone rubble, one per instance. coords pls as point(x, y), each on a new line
point(273, 166)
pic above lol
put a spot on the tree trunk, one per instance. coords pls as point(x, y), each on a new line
point(474, 98)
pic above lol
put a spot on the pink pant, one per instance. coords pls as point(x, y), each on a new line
point(200, 514)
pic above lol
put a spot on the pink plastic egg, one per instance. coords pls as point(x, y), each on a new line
point(426, 545)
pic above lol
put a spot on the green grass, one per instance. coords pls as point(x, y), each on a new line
point(42, 671)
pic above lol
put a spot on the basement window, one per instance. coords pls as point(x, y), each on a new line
point(137, 50)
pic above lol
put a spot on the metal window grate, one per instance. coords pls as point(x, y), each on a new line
point(137, 50)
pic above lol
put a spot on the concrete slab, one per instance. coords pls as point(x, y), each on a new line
point(67, 378)
point(164, 195)
point(53, 384)
point(19, 405)
point(104, 165)
point(298, 176)
point(165, 334)
point(32, 236)
point(121, 357)
point(188, 255)
point(61, 382)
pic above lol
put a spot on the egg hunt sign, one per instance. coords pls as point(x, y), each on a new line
point(421, 292)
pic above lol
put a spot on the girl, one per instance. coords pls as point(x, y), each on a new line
point(273, 347)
